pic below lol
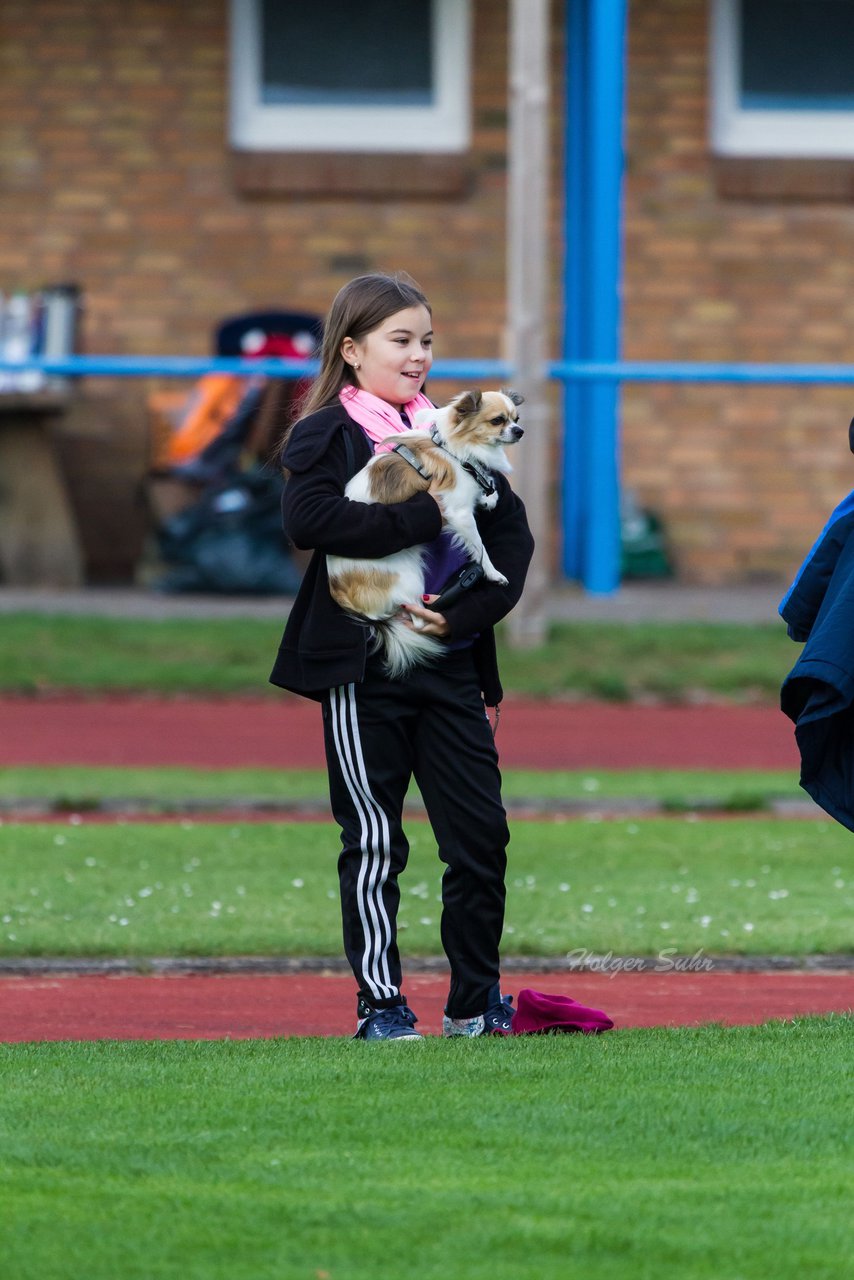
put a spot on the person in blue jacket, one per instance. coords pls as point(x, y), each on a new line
point(433, 725)
point(818, 693)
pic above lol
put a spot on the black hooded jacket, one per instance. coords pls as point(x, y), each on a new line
point(322, 647)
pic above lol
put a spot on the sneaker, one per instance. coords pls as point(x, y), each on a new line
point(494, 1021)
point(396, 1023)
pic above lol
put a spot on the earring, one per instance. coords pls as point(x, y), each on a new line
point(356, 364)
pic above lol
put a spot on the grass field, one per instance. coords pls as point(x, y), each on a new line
point(751, 885)
point(85, 788)
point(672, 661)
point(651, 1155)
point(689, 1154)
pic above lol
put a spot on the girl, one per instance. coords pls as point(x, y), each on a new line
point(379, 732)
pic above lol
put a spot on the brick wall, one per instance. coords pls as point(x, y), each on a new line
point(115, 173)
point(744, 476)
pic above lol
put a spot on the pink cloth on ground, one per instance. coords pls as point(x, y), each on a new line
point(377, 419)
point(538, 1012)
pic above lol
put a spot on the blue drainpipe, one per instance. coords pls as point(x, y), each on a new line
point(573, 488)
point(594, 167)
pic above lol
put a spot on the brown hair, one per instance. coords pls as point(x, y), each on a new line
point(357, 309)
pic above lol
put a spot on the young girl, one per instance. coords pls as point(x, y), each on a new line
point(379, 732)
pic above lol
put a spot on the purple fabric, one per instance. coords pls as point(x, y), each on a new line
point(538, 1012)
point(441, 559)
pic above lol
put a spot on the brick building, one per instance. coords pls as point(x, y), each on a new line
point(118, 171)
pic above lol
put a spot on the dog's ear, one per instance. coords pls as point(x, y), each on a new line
point(468, 402)
point(513, 396)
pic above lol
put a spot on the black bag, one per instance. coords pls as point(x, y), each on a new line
point(230, 541)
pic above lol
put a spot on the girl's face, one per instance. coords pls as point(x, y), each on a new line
point(393, 360)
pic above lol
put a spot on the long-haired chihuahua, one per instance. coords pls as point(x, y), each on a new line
point(454, 449)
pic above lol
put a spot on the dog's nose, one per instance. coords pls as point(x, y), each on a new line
point(518, 431)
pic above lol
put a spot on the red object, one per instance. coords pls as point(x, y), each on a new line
point(537, 1012)
point(279, 344)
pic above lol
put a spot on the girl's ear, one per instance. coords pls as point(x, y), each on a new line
point(348, 350)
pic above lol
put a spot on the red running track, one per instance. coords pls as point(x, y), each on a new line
point(286, 733)
point(242, 1007)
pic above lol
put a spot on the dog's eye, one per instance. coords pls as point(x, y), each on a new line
point(497, 422)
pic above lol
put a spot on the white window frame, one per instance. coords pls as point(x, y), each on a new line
point(736, 131)
point(443, 126)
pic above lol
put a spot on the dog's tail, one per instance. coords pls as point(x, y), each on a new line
point(403, 647)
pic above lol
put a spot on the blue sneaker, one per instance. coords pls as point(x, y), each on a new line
point(396, 1023)
point(494, 1021)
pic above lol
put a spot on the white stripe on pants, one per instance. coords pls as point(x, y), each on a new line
point(375, 843)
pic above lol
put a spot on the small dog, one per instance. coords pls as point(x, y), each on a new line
point(452, 446)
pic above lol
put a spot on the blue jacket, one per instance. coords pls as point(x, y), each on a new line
point(818, 693)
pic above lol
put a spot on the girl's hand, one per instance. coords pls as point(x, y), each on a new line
point(430, 623)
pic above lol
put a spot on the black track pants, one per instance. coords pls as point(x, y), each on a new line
point(378, 734)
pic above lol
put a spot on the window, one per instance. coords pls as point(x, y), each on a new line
point(783, 78)
point(372, 76)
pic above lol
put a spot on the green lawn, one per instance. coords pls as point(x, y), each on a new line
point(86, 787)
point(690, 1154)
point(751, 885)
point(673, 661)
point(686, 1154)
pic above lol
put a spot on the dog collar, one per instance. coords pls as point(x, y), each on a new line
point(408, 456)
point(478, 474)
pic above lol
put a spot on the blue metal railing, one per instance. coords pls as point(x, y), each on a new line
point(443, 370)
point(592, 239)
point(197, 366)
point(600, 571)
point(688, 371)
